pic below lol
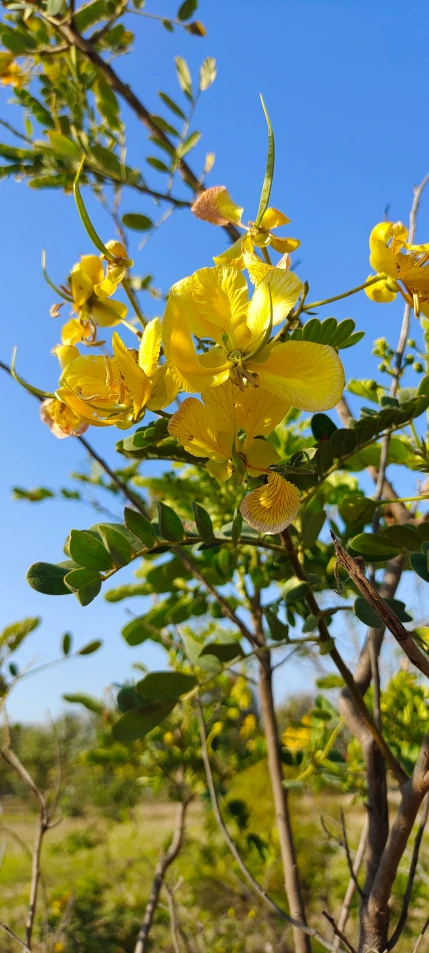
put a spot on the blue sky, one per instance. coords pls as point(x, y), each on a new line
point(342, 83)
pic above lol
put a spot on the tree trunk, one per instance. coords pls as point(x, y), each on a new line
point(280, 797)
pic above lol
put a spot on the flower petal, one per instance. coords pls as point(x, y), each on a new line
point(193, 372)
point(222, 471)
point(272, 218)
point(259, 456)
point(65, 354)
point(92, 266)
point(285, 246)
point(192, 427)
point(219, 402)
point(90, 375)
point(258, 412)
point(135, 378)
point(61, 419)
point(164, 389)
point(382, 232)
point(232, 256)
point(81, 286)
point(381, 259)
point(380, 291)
point(150, 346)
point(220, 296)
point(107, 313)
point(270, 508)
point(306, 375)
point(74, 331)
point(285, 288)
point(83, 410)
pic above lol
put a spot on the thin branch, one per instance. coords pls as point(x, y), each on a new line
point(338, 932)
point(173, 919)
point(388, 617)
point(344, 670)
point(421, 935)
point(164, 862)
point(412, 873)
point(268, 901)
point(343, 842)
point(226, 608)
point(13, 936)
point(345, 909)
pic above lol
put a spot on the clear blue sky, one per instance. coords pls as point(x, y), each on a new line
point(344, 84)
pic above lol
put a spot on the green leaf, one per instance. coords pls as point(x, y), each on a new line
point(79, 698)
point(172, 105)
point(322, 427)
point(358, 508)
point(330, 681)
point(193, 651)
point(88, 551)
point(419, 563)
point(63, 146)
point(269, 171)
point(187, 9)
point(312, 524)
point(85, 219)
point(54, 7)
point(36, 108)
point(128, 698)
point(310, 624)
point(140, 526)
point(366, 614)
point(223, 651)
point(85, 583)
point(373, 546)
point(13, 635)
point(294, 589)
point(165, 685)
point(321, 714)
point(157, 164)
point(189, 143)
point(66, 645)
point(207, 73)
point(204, 523)
point(405, 537)
point(184, 76)
point(16, 42)
point(279, 630)
point(117, 544)
point(138, 631)
point(89, 15)
point(170, 524)
point(137, 722)
point(237, 525)
point(140, 223)
point(48, 578)
point(90, 648)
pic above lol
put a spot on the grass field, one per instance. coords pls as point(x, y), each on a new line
point(97, 875)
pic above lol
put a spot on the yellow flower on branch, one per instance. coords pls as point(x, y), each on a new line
point(211, 429)
point(212, 306)
point(104, 390)
point(401, 266)
point(90, 289)
point(216, 206)
point(10, 72)
point(61, 419)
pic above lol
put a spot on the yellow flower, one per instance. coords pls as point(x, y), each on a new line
point(90, 289)
point(213, 305)
point(210, 430)
point(10, 72)
point(61, 419)
point(215, 205)
point(108, 390)
point(248, 727)
point(393, 258)
point(298, 737)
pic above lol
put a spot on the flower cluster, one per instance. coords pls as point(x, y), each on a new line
point(402, 267)
point(216, 341)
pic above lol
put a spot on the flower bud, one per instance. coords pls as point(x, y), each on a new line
point(418, 368)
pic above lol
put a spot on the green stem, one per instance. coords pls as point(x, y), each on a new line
point(133, 301)
point(345, 294)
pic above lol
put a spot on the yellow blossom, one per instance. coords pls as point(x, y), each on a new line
point(248, 727)
point(298, 737)
point(215, 205)
point(90, 288)
point(210, 430)
point(10, 72)
point(106, 390)
point(61, 419)
point(213, 306)
point(397, 261)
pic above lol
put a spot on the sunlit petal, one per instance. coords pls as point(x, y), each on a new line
point(193, 372)
point(380, 291)
point(81, 286)
point(259, 456)
point(270, 508)
point(222, 471)
point(65, 354)
point(232, 256)
point(61, 419)
point(306, 375)
point(284, 245)
point(164, 389)
point(192, 427)
point(81, 408)
point(258, 411)
point(134, 377)
point(219, 402)
point(382, 232)
point(74, 331)
point(150, 346)
point(220, 295)
point(92, 266)
point(381, 259)
point(90, 375)
point(107, 313)
point(272, 218)
point(285, 289)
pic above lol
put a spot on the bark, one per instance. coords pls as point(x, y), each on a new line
point(280, 797)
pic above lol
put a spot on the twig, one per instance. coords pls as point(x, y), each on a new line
point(421, 935)
point(338, 932)
point(268, 901)
point(173, 919)
point(388, 617)
point(412, 873)
point(343, 842)
point(13, 936)
point(345, 909)
point(164, 862)
point(226, 608)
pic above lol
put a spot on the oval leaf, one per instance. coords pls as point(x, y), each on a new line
point(88, 551)
point(48, 578)
point(165, 685)
point(137, 722)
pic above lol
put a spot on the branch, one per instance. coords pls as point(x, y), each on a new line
point(226, 608)
point(264, 896)
point(421, 935)
point(388, 617)
point(411, 875)
point(13, 936)
point(164, 862)
point(325, 637)
point(345, 909)
point(338, 932)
